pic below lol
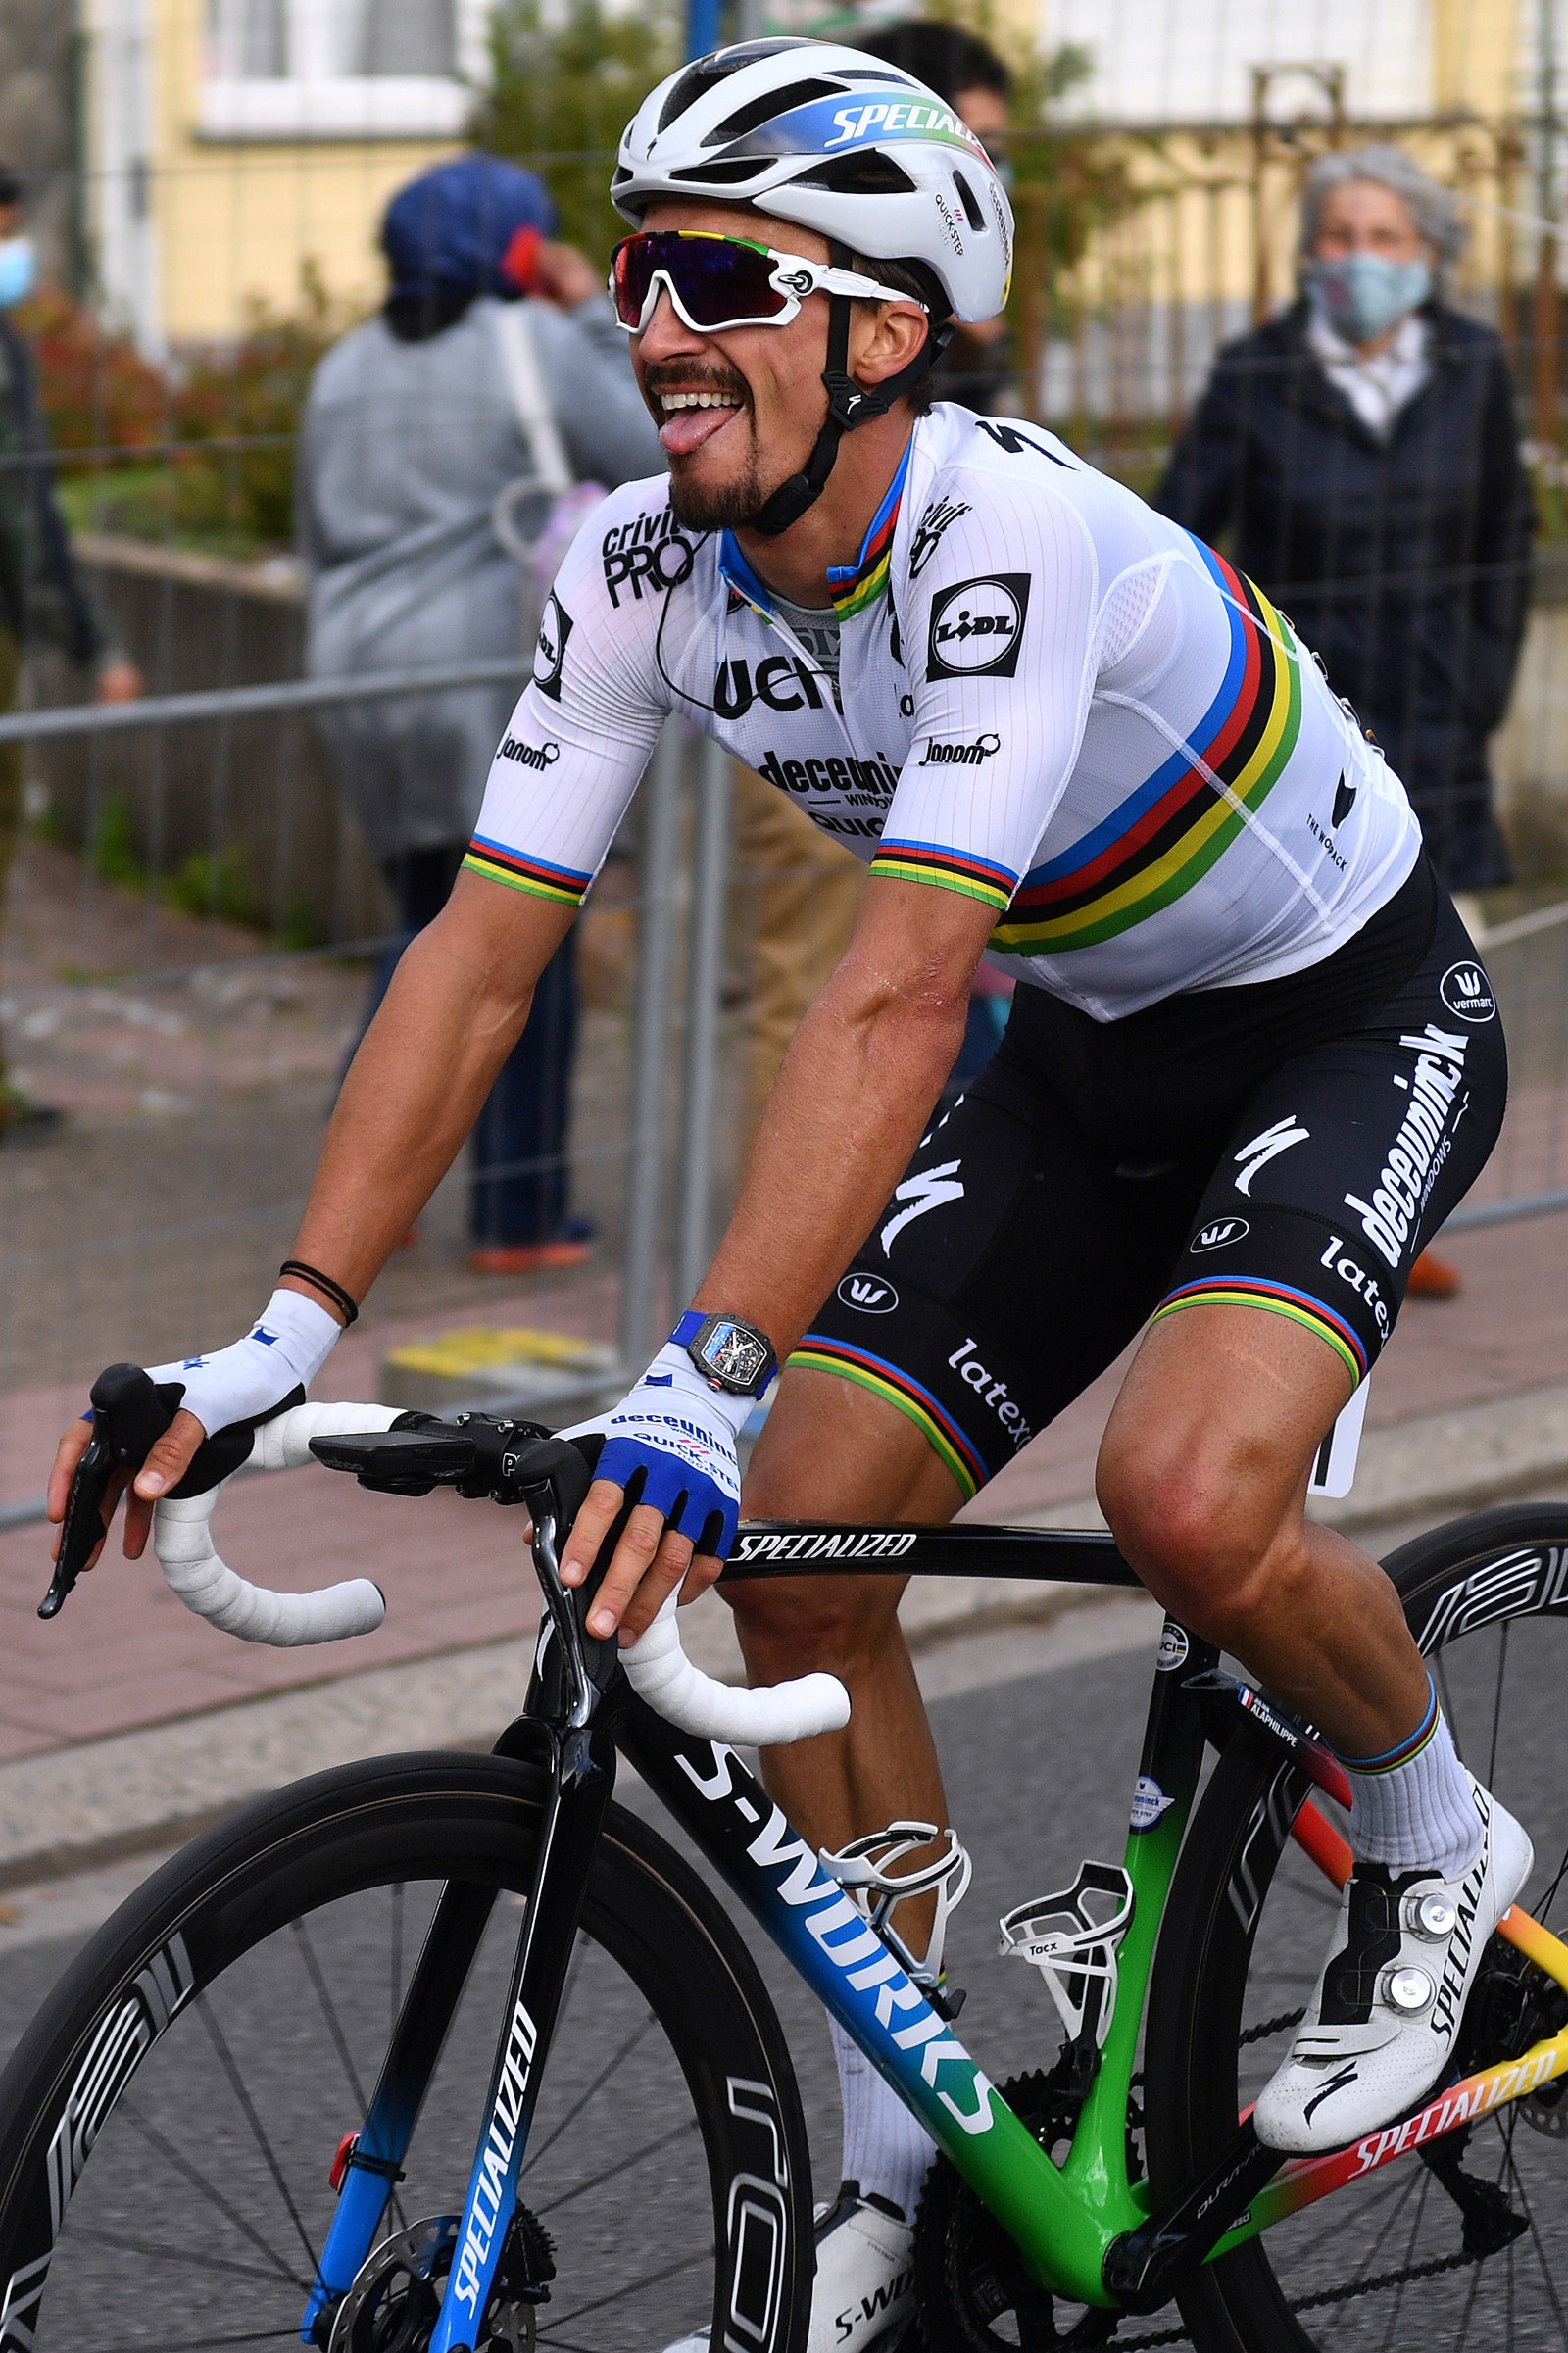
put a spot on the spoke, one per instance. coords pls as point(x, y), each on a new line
point(1440, 1676)
point(202, 2256)
point(200, 2183)
point(644, 2280)
point(208, 2344)
point(1541, 2252)
point(600, 2080)
point(226, 2061)
point(650, 2149)
point(1469, 2308)
point(328, 2007)
point(1410, 2257)
point(1496, 1706)
point(397, 1956)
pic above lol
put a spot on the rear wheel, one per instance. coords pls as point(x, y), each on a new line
point(1387, 2264)
point(167, 2126)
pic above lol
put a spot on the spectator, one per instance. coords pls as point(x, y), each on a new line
point(41, 591)
point(1361, 450)
point(412, 433)
point(977, 367)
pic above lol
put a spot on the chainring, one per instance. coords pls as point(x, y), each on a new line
point(396, 2298)
point(969, 2277)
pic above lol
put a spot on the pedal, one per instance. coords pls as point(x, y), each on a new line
point(1075, 1951)
point(867, 1870)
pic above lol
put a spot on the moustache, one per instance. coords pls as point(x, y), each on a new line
point(679, 376)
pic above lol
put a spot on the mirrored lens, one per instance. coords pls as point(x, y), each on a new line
point(719, 280)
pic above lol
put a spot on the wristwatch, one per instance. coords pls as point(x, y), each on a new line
point(729, 1353)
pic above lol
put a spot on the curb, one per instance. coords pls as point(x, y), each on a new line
point(74, 1808)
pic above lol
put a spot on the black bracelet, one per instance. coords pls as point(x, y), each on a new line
point(325, 1284)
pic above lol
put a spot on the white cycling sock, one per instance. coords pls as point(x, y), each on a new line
point(1410, 1808)
point(886, 2150)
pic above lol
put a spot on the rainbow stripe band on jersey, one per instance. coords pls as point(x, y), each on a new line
point(563, 884)
point(1165, 835)
point(1277, 1299)
point(854, 586)
point(949, 870)
point(820, 1355)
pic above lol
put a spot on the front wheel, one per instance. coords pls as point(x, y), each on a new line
point(170, 2121)
point(1390, 2262)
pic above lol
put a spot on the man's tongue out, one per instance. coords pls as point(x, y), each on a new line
point(686, 429)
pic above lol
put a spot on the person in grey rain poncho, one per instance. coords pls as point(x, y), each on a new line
point(412, 432)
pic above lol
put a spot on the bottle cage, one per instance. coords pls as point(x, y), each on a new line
point(866, 1868)
point(1075, 1952)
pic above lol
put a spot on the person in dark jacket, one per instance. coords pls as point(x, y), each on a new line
point(976, 369)
point(41, 591)
point(1360, 452)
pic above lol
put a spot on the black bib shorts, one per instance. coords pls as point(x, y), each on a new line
point(1289, 1146)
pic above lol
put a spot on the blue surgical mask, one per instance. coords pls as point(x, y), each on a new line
point(1365, 294)
point(19, 270)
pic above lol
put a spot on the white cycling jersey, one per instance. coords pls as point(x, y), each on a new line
point(1049, 698)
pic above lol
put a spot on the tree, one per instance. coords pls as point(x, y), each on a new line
point(560, 92)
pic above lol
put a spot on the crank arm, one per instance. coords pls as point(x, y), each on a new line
point(1145, 2268)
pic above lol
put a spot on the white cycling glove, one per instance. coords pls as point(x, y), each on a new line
point(271, 1367)
point(670, 1442)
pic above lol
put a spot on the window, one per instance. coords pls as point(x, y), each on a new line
point(339, 69)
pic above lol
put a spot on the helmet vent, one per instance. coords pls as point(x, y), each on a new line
point(728, 174)
point(769, 108)
point(970, 201)
point(700, 79)
point(865, 175)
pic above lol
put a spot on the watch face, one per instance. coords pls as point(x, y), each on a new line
point(732, 1353)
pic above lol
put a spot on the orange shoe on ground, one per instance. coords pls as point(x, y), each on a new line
point(1432, 1278)
point(527, 1257)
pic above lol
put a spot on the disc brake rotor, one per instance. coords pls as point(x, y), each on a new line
point(395, 2301)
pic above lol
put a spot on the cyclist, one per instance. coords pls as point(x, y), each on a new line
point(1254, 1058)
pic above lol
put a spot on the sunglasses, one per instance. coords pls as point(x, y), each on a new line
point(716, 283)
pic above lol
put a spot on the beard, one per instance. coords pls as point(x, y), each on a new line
point(717, 506)
point(723, 506)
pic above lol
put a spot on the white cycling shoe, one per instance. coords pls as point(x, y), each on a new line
point(1380, 2027)
point(864, 2276)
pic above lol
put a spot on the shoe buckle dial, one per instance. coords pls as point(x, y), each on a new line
point(1432, 1918)
point(1409, 1991)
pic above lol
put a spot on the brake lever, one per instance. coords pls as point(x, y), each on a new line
point(129, 1414)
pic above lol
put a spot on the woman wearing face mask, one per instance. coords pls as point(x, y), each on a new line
point(1359, 452)
point(41, 592)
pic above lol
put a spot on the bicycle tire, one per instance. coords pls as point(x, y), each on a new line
point(118, 2059)
point(1463, 1583)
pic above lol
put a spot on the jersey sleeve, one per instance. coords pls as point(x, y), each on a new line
point(582, 734)
point(998, 643)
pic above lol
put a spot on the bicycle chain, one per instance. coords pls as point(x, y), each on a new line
point(1274, 2026)
point(1429, 2269)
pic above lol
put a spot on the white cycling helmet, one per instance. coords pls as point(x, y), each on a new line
point(850, 147)
point(837, 141)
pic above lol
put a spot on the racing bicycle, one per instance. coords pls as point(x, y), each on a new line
point(447, 2051)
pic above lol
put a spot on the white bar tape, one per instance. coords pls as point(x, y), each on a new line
point(659, 1672)
point(182, 1539)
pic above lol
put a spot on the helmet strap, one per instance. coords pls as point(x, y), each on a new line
point(849, 405)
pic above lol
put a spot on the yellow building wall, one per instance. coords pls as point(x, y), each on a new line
point(238, 218)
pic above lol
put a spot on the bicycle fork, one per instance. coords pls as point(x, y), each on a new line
point(582, 1782)
point(581, 1762)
